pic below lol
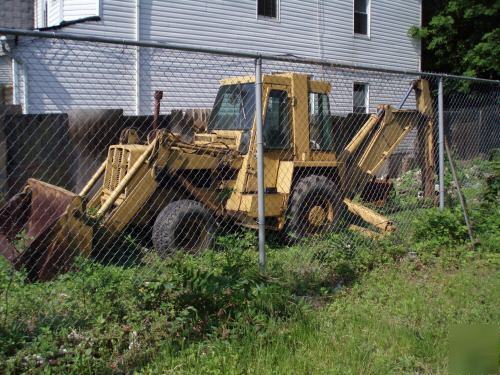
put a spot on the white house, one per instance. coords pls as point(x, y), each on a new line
point(59, 75)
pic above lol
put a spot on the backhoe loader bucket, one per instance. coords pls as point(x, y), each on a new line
point(41, 230)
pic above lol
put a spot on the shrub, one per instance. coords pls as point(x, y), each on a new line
point(435, 229)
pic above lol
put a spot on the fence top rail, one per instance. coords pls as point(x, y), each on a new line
point(233, 53)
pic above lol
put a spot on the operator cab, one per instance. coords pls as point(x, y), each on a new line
point(292, 114)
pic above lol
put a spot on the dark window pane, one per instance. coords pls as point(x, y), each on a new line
point(361, 23)
point(360, 98)
point(234, 108)
point(267, 8)
point(277, 127)
point(361, 6)
point(320, 120)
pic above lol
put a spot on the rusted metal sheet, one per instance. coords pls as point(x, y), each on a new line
point(42, 231)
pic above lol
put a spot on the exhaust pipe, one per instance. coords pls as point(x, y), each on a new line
point(156, 114)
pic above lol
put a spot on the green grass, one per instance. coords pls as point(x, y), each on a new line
point(339, 304)
point(396, 320)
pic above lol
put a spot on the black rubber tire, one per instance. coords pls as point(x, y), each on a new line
point(310, 191)
point(184, 225)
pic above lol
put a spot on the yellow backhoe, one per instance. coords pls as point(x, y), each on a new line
point(180, 190)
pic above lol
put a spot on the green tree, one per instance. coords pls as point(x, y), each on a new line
point(461, 37)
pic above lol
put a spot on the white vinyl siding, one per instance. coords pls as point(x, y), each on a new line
point(38, 14)
point(79, 9)
point(59, 11)
point(47, 13)
point(5, 71)
point(305, 28)
point(117, 20)
point(64, 76)
point(221, 24)
point(54, 12)
point(106, 77)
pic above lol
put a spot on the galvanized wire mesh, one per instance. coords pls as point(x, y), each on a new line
point(175, 181)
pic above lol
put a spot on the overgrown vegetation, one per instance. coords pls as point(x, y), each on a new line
point(340, 304)
point(465, 29)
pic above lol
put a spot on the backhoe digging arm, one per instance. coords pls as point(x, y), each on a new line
point(377, 140)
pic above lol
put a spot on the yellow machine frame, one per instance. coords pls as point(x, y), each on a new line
point(131, 170)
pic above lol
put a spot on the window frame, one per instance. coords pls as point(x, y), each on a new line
point(267, 18)
point(40, 23)
point(329, 147)
point(367, 96)
point(368, 20)
point(45, 13)
point(288, 114)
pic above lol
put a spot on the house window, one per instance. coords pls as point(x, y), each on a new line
point(360, 98)
point(361, 17)
point(267, 8)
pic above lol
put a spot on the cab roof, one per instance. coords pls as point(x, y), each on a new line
point(281, 78)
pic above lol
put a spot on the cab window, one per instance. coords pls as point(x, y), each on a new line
point(277, 127)
point(320, 120)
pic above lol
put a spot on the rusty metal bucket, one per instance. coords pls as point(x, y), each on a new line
point(377, 191)
point(42, 231)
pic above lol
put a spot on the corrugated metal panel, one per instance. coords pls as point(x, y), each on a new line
point(77, 9)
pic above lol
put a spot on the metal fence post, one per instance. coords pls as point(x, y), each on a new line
point(441, 142)
point(260, 163)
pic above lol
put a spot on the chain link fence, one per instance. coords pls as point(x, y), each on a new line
point(127, 154)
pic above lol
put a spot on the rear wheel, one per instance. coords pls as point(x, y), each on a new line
point(315, 207)
point(184, 225)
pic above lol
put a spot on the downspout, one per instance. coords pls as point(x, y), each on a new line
point(16, 85)
point(320, 28)
point(138, 58)
point(320, 25)
point(26, 109)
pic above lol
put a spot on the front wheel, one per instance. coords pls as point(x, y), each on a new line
point(184, 225)
point(315, 207)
